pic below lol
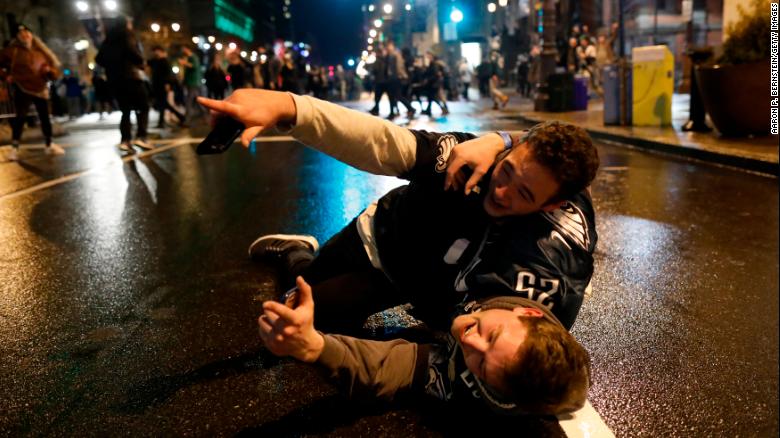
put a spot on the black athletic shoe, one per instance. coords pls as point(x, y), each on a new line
point(274, 246)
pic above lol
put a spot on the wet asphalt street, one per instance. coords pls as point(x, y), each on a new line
point(128, 305)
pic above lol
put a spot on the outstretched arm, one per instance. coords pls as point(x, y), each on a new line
point(360, 140)
point(361, 368)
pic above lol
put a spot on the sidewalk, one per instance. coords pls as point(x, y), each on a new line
point(759, 154)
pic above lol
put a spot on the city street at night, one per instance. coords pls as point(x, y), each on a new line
point(614, 273)
point(129, 306)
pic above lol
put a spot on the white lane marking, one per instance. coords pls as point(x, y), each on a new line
point(584, 423)
point(165, 145)
point(72, 176)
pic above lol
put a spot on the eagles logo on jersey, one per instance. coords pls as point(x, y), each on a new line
point(445, 145)
point(570, 222)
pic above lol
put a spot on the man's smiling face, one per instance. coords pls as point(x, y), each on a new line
point(519, 185)
point(490, 339)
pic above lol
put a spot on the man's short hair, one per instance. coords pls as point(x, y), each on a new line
point(550, 373)
point(567, 151)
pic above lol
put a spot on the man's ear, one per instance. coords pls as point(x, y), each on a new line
point(552, 206)
point(531, 312)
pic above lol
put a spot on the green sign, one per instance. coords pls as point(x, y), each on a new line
point(233, 21)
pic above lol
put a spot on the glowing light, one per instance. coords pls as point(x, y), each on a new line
point(211, 39)
point(218, 46)
point(388, 8)
point(305, 53)
point(263, 57)
point(370, 8)
point(372, 33)
point(351, 62)
point(110, 5)
point(232, 45)
point(243, 53)
point(155, 27)
point(175, 27)
point(491, 7)
point(91, 65)
point(456, 15)
point(370, 41)
point(206, 46)
point(408, 7)
point(503, 3)
point(195, 40)
point(175, 69)
point(82, 6)
point(81, 45)
point(378, 23)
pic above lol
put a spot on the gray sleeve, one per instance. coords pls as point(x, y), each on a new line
point(364, 368)
point(360, 140)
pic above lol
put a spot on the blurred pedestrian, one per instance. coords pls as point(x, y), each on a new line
point(434, 80)
point(216, 82)
point(379, 74)
point(120, 54)
point(238, 71)
point(396, 76)
point(28, 65)
point(464, 74)
point(193, 77)
point(340, 79)
point(74, 91)
point(162, 80)
point(103, 99)
point(523, 87)
point(499, 98)
point(484, 72)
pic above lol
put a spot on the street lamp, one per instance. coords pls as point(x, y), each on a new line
point(378, 23)
point(175, 27)
point(110, 5)
point(218, 46)
point(370, 8)
point(491, 7)
point(195, 40)
point(211, 39)
point(456, 15)
point(155, 27)
point(82, 6)
point(388, 8)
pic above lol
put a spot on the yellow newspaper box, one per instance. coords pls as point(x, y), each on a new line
point(653, 85)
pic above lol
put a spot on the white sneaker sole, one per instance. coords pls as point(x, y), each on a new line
point(310, 240)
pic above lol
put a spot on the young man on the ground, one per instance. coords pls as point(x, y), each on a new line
point(523, 238)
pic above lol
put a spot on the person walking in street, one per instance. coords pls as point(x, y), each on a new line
point(238, 71)
point(162, 78)
point(434, 81)
point(121, 56)
point(396, 77)
point(464, 74)
point(192, 82)
point(379, 73)
point(216, 82)
point(28, 65)
point(523, 86)
point(103, 100)
point(499, 98)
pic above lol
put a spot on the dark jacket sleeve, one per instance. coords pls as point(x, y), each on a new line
point(433, 151)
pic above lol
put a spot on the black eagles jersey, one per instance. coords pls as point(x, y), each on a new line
point(440, 246)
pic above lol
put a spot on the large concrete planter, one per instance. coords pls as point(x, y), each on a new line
point(736, 97)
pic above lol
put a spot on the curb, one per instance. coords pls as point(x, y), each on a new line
point(745, 163)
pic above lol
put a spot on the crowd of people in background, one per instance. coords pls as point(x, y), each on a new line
point(169, 80)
